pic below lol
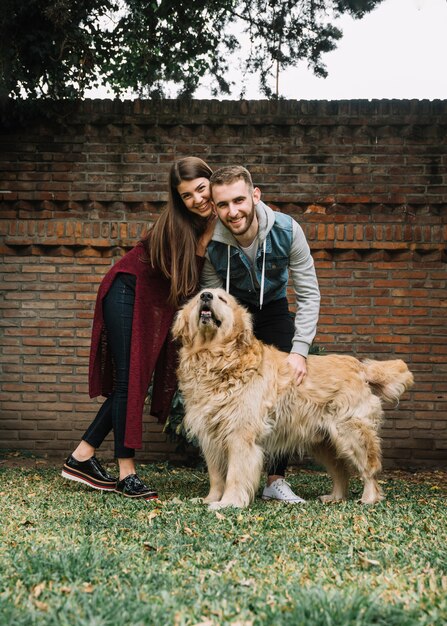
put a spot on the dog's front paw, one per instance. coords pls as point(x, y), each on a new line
point(330, 497)
point(372, 499)
point(215, 506)
point(210, 503)
point(212, 497)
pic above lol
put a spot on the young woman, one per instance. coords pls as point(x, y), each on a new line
point(135, 306)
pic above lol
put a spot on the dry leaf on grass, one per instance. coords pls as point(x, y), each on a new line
point(153, 514)
point(37, 590)
point(366, 562)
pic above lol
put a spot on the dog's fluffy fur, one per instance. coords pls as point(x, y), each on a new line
point(242, 404)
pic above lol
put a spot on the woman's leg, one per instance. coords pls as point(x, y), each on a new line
point(82, 465)
point(118, 313)
point(118, 316)
point(96, 432)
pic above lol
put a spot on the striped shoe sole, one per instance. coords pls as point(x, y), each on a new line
point(78, 477)
point(143, 497)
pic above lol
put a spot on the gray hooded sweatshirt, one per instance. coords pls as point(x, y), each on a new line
point(300, 268)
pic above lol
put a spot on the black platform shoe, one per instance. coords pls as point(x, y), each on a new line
point(133, 487)
point(90, 473)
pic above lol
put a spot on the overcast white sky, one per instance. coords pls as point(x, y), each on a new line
point(399, 50)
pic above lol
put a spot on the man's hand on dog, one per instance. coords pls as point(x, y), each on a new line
point(299, 366)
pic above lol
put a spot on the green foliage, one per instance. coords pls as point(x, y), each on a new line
point(165, 41)
point(52, 49)
point(70, 556)
point(59, 48)
point(174, 423)
point(316, 349)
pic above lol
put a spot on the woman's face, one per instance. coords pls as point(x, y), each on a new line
point(196, 196)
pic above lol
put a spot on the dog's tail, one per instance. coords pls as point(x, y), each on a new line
point(388, 379)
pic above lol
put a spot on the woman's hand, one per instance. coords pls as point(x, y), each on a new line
point(207, 234)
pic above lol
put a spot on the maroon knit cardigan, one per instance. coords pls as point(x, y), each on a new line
point(152, 350)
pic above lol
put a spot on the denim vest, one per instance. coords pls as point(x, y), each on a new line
point(244, 283)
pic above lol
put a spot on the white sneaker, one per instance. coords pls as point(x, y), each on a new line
point(280, 490)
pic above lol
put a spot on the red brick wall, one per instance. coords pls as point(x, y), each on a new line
point(366, 180)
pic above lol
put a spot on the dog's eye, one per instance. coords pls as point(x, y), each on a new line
point(223, 299)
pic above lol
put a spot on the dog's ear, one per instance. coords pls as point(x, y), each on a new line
point(180, 328)
point(246, 336)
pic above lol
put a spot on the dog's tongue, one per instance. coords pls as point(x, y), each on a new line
point(205, 314)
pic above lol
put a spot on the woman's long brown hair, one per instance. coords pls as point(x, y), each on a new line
point(171, 243)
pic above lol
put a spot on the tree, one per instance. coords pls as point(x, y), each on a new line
point(52, 48)
point(60, 48)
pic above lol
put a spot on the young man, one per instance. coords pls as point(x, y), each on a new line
point(251, 254)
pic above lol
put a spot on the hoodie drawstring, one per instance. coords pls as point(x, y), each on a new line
point(261, 294)
point(227, 288)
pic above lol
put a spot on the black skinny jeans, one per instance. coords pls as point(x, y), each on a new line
point(118, 314)
point(274, 325)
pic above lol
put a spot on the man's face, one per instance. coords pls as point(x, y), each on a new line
point(235, 206)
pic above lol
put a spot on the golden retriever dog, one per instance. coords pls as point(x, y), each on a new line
point(242, 403)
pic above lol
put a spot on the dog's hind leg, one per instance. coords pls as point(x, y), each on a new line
point(372, 492)
point(337, 470)
point(245, 462)
point(358, 443)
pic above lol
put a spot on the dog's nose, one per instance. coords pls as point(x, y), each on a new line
point(206, 296)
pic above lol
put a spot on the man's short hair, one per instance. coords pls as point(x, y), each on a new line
point(230, 174)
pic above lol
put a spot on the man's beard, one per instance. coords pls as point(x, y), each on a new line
point(248, 222)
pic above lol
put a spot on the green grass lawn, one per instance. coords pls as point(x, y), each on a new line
point(71, 556)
